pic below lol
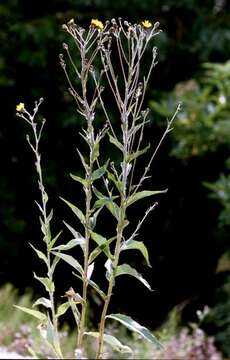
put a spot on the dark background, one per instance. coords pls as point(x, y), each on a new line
point(184, 240)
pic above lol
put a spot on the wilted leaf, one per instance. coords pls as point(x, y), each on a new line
point(134, 326)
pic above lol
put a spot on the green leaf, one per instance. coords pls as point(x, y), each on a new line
point(94, 286)
point(112, 341)
point(71, 244)
point(76, 235)
point(39, 315)
point(135, 155)
point(40, 254)
point(134, 326)
point(70, 260)
point(99, 173)
point(53, 241)
point(137, 245)
point(96, 152)
point(116, 182)
point(115, 142)
point(62, 309)
point(52, 339)
point(54, 264)
point(98, 250)
point(79, 179)
point(76, 211)
point(142, 194)
point(49, 285)
point(126, 269)
point(43, 301)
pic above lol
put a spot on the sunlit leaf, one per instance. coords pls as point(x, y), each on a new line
point(99, 173)
point(90, 271)
point(53, 241)
point(75, 210)
point(94, 286)
point(70, 260)
point(137, 245)
point(126, 269)
point(43, 301)
point(112, 341)
point(71, 244)
point(79, 179)
point(115, 142)
point(142, 194)
point(40, 254)
point(34, 313)
point(49, 284)
point(138, 153)
point(99, 249)
point(134, 326)
point(61, 310)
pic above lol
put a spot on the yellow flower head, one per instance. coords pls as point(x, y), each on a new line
point(20, 107)
point(146, 24)
point(97, 24)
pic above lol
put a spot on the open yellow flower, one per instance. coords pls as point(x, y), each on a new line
point(97, 24)
point(146, 24)
point(20, 107)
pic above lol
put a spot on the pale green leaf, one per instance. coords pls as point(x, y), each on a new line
point(135, 155)
point(40, 254)
point(142, 194)
point(54, 264)
point(49, 285)
point(52, 339)
point(79, 179)
point(126, 269)
point(137, 245)
point(43, 301)
point(71, 244)
point(99, 249)
point(53, 241)
point(75, 210)
point(115, 142)
point(94, 286)
point(62, 309)
point(70, 260)
point(39, 315)
point(132, 325)
point(98, 173)
point(112, 341)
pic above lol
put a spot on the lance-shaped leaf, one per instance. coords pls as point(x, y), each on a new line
point(70, 260)
point(53, 241)
point(40, 254)
point(142, 194)
point(102, 243)
point(116, 182)
point(61, 310)
point(79, 179)
point(115, 142)
point(76, 211)
point(94, 286)
point(132, 325)
point(39, 315)
point(52, 339)
point(112, 341)
point(135, 155)
point(98, 250)
point(99, 172)
point(71, 244)
point(43, 301)
point(49, 284)
point(126, 269)
point(76, 235)
point(137, 245)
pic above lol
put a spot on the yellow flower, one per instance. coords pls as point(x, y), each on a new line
point(20, 107)
point(97, 24)
point(146, 24)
